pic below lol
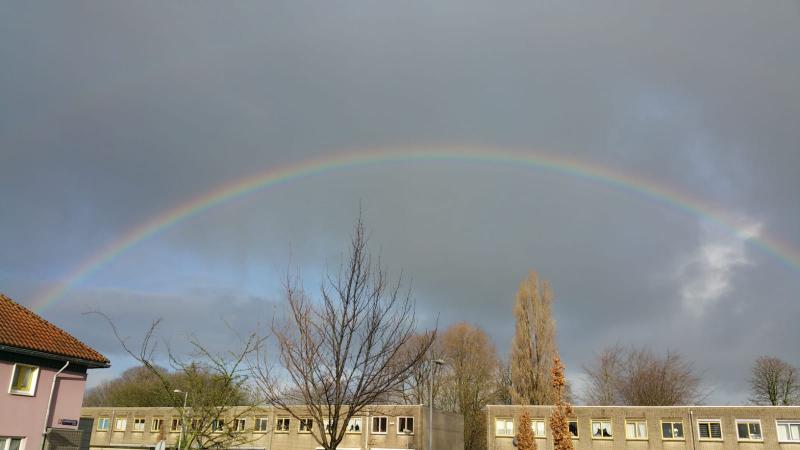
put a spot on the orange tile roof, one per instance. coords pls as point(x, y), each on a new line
point(22, 328)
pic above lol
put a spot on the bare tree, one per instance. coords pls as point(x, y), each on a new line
point(345, 351)
point(534, 345)
point(217, 388)
point(774, 382)
point(503, 383)
point(415, 389)
point(469, 378)
point(637, 376)
point(559, 419)
point(604, 376)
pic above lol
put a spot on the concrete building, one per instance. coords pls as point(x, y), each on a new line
point(381, 427)
point(43, 369)
point(655, 427)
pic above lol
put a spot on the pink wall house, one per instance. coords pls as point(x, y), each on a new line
point(42, 377)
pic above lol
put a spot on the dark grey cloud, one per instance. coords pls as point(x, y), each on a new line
point(114, 112)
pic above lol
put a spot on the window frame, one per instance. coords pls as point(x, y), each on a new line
point(107, 422)
point(635, 423)
point(534, 421)
point(506, 420)
point(259, 420)
point(153, 427)
point(124, 423)
point(5, 442)
point(31, 392)
point(137, 421)
point(709, 422)
point(403, 432)
point(602, 421)
point(577, 428)
point(789, 422)
point(748, 422)
point(236, 425)
point(672, 422)
point(177, 422)
point(278, 420)
point(217, 425)
point(360, 426)
point(305, 420)
point(372, 425)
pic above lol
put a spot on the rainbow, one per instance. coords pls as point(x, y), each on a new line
point(536, 160)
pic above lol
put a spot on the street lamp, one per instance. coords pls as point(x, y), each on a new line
point(183, 411)
point(434, 362)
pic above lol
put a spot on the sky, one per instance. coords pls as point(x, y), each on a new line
point(114, 113)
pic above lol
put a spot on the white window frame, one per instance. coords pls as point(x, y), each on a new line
point(118, 420)
point(506, 421)
point(748, 422)
point(384, 419)
point(34, 380)
point(217, 425)
point(139, 421)
point(636, 423)
point(156, 424)
point(534, 425)
point(601, 422)
point(278, 428)
point(672, 423)
point(708, 422)
point(306, 421)
point(239, 425)
point(258, 421)
point(107, 422)
point(353, 421)
point(405, 419)
point(577, 428)
point(790, 422)
point(176, 421)
point(5, 442)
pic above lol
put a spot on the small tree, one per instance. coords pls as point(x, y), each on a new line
point(346, 350)
point(774, 382)
point(525, 437)
point(562, 438)
point(215, 386)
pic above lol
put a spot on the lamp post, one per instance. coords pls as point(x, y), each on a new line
point(183, 411)
point(434, 363)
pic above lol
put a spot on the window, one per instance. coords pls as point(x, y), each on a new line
point(102, 423)
point(239, 424)
point(138, 424)
point(175, 424)
point(354, 425)
point(601, 429)
point(405, 425)
point(749, 430)
point(380, 424)
point(23, 379)
point(282, 425)
point(538, 427)
point(120, 423)
point(504, 427)
point(306, 425)
point(157, 425)
point(636, 429)
point(672, 430)
point(573, 428)
point(788, 431)
point(193, 424)
point(7, 443)
point(262, 424)
point(709, 430)
point(217, 425)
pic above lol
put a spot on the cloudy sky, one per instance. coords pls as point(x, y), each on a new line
point(115, 112)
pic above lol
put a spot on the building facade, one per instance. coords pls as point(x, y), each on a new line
point(655, 427)
point(380, 427)
point(43, 369)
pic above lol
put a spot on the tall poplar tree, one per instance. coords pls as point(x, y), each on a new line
point(534, 345)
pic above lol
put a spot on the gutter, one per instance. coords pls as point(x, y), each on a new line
point(45, 355)
point(50, 403)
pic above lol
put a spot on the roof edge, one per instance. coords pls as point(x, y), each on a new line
point(85, 362)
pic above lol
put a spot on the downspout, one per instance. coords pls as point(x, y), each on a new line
point(49, 403)
point(691, 428)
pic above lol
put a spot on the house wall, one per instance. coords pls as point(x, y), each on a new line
point(653, 415)
point(24, 416)
point(448, 430)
